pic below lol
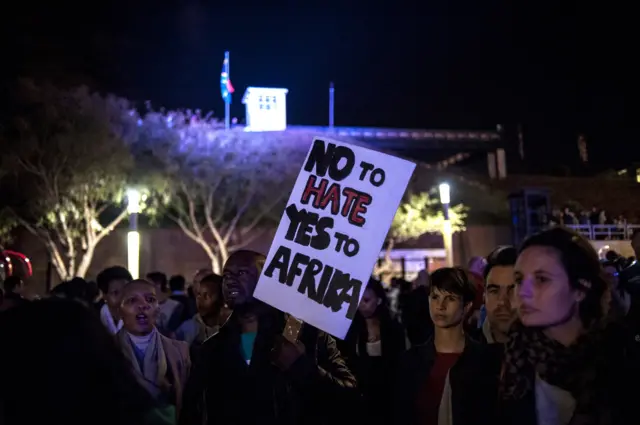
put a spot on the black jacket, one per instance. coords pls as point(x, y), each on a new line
point(473, 380)
point(223, 390)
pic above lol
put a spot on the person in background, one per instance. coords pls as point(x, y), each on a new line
point(170, 314)
point(476, 267)
point(178, 284)
point(210, 316)
point(161, 365)
point(560, 365)
point(446, 380)
point(71, 373)
point(248, 373)
point(111, 281)
point(498, 295)
point(373, 345)
point(13, 293)
point(630, 276)
point(414, 311)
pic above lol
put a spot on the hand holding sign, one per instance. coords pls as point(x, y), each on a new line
point(331, 233)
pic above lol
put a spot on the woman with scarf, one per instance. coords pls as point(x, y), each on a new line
point(161, 365)
point(373, 345)
point(561, 361)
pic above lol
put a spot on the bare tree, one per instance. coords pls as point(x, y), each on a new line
point(223, 188)
point(67, 167)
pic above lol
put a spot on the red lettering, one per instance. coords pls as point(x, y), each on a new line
point(351, 197)
point(332, 196)
point(317, 192)
point(360, 207)
point(355, 202)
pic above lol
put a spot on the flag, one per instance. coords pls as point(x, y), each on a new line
point(226, 89)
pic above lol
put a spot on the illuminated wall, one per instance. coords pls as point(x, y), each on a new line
point(266, 109)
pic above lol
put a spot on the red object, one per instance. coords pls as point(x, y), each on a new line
point(430, 395)
point(230, 88)
point(13, 258)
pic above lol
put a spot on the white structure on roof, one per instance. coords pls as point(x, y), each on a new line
point(266, 109)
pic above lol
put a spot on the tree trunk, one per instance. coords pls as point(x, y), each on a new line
point(85, 262)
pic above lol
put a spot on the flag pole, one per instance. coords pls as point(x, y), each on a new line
point(331, 104)
point(227, 103)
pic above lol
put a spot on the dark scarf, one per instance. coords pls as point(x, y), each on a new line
point(576, 369)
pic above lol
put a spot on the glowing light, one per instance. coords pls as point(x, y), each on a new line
point(445, 193)
point(266, 109)
point(133, 201)
point(133, 254)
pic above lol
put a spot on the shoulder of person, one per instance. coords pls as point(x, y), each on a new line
point(181, 346)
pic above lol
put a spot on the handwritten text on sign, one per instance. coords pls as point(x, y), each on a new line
point(331, 233)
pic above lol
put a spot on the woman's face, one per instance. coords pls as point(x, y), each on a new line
point(368, 303)
point(544, 295)
point(139, 308)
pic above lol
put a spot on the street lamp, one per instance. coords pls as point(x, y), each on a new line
point(447, 233)
point(133, 237)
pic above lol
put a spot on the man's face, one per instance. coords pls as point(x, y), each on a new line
point(206, 299)
point(139, 308)
point(239, 280)
point(499, 292)
point(114, 296)
point(446, 309)
point(200, 274)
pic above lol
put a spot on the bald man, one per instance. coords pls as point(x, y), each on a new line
point(248, 373)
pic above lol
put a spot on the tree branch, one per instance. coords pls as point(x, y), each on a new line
point(234, 222)
point(260, 216)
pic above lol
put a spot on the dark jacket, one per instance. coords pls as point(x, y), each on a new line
point(473, 380)
point(375, 375)
point(223, 390)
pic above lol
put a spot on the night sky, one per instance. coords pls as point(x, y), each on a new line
point(462, 65)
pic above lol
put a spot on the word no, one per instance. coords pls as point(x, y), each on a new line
point(327, 159)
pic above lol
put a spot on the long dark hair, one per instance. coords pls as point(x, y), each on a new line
point(391, 333)
point(61, 366)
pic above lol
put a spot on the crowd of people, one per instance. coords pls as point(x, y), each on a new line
point(542, 334)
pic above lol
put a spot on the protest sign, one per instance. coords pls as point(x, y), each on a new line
point(331, 233)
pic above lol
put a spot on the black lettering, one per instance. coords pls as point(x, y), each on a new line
point(366, 167)
point(379, 180)
point(322, 239)
point(308, 281)
point(295, 270)
point(280, 261)
point(333, 289)
point(295, 217)
point(349, 246)
point(324, 159)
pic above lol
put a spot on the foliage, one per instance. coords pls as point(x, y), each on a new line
point(67, 164)
point(224, 188)
point(422, 213)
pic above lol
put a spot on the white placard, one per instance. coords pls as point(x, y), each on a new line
point(331, 233)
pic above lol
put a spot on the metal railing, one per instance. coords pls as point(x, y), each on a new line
point(605, 231)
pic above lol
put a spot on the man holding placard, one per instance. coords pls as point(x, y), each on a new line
point(250, 373)
point(331, 233)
